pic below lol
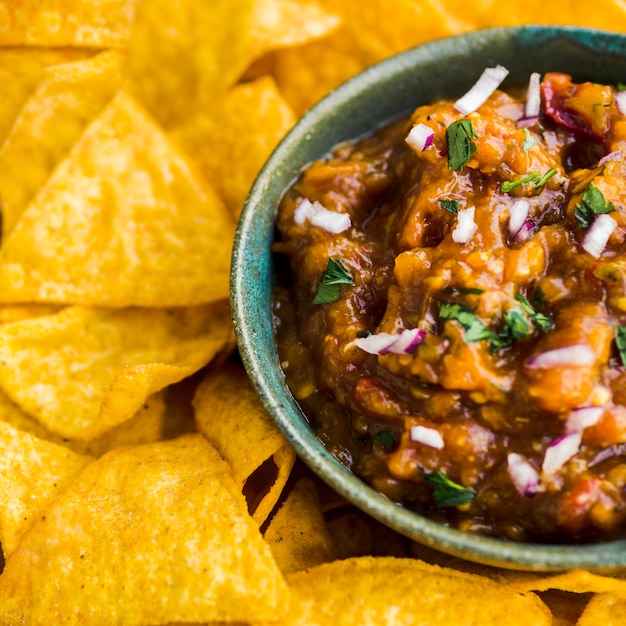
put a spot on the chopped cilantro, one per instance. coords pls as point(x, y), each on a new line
point(386, 438)
point(452, 206)
point(529, 140)
point(542, 321)
point(447, 492)
point(538, 298)
point(475, 330)
point(620, 341)
point(328, 288)
point(460, 143)
point(535, 178)
point(515, 327)
point(593, 203)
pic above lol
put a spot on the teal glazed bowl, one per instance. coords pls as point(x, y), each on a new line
point(444, 68)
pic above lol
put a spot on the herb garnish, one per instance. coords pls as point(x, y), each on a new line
point(515, 327)
point(620, 341)
point(447, 492)
point(542, 321)
point(593, 203)
point(452, 206)
point(535, 178)
point(460, 142)
point(328, 288)
point(386, 438)
point(529, 140)
point(475, 330)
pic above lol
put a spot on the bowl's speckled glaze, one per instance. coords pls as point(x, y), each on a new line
point(442, 68)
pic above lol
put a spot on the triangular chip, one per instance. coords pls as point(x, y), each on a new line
point(297, 533)
point(244, 128)
point(94, 23)
point(70, 96)
point(150, 534)
point(184, 55)
point(124, 220)
point(96, 367)
point(604, 609)
point(372, 591)
point(230, 415)
point(33, 473)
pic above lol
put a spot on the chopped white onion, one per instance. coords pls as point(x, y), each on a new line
point(428, 436)
point(620, 101)
point(524, 476)
point(597, 236)
point(576, 355)
point(386, 343)
point(420, 137)
point(616, 155)
point(317, 215)
point(579, 419)
point(518, 214)
point(488, 82)
point(465, 225)
point(560, 452)
point(533, 96)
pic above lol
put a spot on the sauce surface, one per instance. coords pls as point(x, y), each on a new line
point(451, 316)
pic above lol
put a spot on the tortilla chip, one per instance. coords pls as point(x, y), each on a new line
point(185, 55)
point(33, 473)
point(297, 533)
point(19, 312)
point(70, 96)
point(96, 367)
point(122, 221)
point(91, 23)
point(145, 535)
point(575, 581)
point(384, 590)
point(230, 415)
point(604, 609)
point(243, 129)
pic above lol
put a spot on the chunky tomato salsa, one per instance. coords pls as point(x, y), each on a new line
point(450, 308)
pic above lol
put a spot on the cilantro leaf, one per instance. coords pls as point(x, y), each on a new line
point(475, 330)
point(529, 140)
point(593, 203)
point(542, 321)
point(460, 142)
point(447, 492)
point(386, 438)
point(515, 327)
point(620, 340)
point(328, 288)
point(452, 206)
point(535, 178)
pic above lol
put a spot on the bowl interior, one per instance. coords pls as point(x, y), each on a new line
point(444, 68)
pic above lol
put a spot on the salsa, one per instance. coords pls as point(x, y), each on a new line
point(450, 310)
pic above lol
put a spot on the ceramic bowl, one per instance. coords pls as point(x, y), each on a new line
point(444, 68)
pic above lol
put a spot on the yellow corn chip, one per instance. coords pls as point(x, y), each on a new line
point(94, 23)
point(184, 55)
point(604, 609)
point(243, 129)
point(574, 581)
point(70, 96)
point(145, 535)
point(96, 367)
point(385, 590)
point(230, 415)
point(122, 221)
point(33, 473)
point(297, 533)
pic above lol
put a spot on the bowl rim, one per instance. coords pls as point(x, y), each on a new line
point(251, 283)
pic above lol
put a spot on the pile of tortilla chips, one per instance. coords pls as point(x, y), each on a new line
point(141, 482)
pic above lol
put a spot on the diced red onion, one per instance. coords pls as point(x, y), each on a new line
point(317, 215)
point(579, 419)
point(518, 214)
point(527, 122)
point(524, 476)
point(620, 101)
point(420, 137)
point(525, 231)
point(560, 452)
point(488, 82)
point(616, 155)
point(533, 96)
point(579, 354)
point(465, 225)
point(551, 139)
point(428, 436)
point(597, 236)
point(386, 343)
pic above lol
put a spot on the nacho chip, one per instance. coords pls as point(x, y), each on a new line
point(384, 590)
point(33, 473)
point(243, 129)
point(297, 533)
point(70, 96)
point(230, 415)
point(185, 55)
point(93, 23)
point(123, 221)
point(96, 367)
point(145, 535)
point(574, 581)
point(604, 609)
